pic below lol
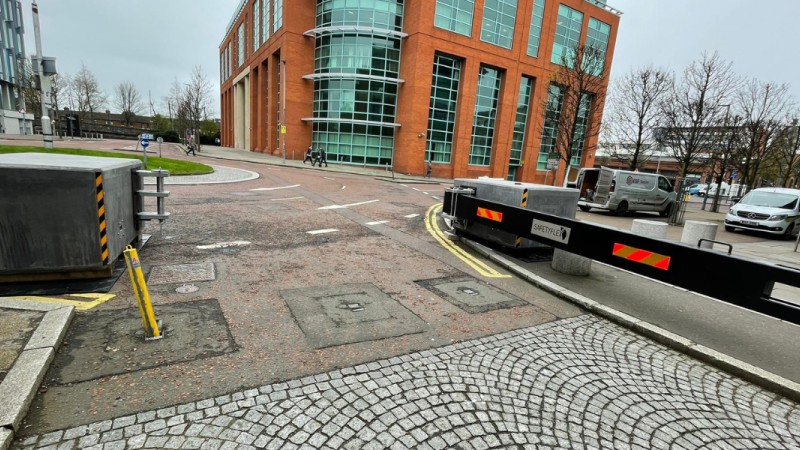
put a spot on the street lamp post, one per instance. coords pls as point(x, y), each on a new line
point(47, 131)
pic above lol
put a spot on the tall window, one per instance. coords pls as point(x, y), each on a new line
point(277, 15)
point(265, 20)
point(480, 151)
point(240, 45)
point(552, 115)
point(256, 24)
point(520, 126)
point(597, 38)
point(442, 111)
point(579, 132)
point(568, 34)
point(455, 15)
point(498, 22)
point(536, 28)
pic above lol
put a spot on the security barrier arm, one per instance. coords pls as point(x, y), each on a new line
point(731, 279)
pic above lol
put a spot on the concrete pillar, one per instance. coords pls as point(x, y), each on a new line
point(694, 230)
point(570, 263)
point(649, 228)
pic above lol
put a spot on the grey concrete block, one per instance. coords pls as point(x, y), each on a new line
point(20, 385)
point(570, 263)
point(51, 329)
point(6, 436)
point(649, 228)
point(11, 303)
point(694, 230)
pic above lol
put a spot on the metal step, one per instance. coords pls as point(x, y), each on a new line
point(146, 193)
point(152, 216)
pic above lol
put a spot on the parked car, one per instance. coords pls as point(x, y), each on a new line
point(771, 210)
point(621, 191)
point(696, 188)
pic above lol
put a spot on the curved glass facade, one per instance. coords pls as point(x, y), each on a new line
point(356, 68)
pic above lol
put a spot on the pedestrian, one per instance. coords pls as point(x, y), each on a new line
point(428, 170)
point(309, 155)
point(190, 149)
point(322, 157)
point(216, 141)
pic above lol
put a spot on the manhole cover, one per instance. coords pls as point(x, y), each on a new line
point(187, 289)
point(181, 273)
point(343, 314)
point(471, 295)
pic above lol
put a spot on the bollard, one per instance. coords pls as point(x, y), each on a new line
point(649, 228)
point(694, 230)
point(570, 263)
point(151, 325)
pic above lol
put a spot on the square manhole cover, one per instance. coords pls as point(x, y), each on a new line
point(181, 273)
point(471, 295)
point(348, 313)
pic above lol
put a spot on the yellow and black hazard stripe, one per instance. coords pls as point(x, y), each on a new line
point(523, 204)
point(101, 217)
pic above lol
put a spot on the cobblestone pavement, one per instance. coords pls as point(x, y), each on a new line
point(576, 383)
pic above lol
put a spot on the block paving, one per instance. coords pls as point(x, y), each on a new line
point(575, 383)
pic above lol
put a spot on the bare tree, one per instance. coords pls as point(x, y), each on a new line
point(577, 90)
point(633, 114)
point(127, 100)
point(787, 153)
point(694, 105)
point(88, 95)
point(763, 106)
point(195, 101)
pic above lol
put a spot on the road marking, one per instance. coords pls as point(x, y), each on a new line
point(378, 222)
point(347, 206)
point(326, 230)
point(79, 305)
point(435, 197)
point(224, 245)
point(276, 188)
point(286, 198)
point(425, 193)
point(438, 234)
point(411, 216)
point(415, 189)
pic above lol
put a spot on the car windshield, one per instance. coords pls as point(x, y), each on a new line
point(770, 199)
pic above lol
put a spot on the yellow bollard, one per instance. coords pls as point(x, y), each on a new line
point(149, 321)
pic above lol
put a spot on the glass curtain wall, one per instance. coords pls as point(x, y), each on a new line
point(277, 15)
point(256, 25)
point(498, 22)
point(597, 37)
point(552, 114)
point(442, 111)
point(455, 16)
point(520, 126)
point(240, 45)
point(265, 13)
point(579, 131)
point(357, 68)
point(537, 16)
point(568, 34)
point(483, 124)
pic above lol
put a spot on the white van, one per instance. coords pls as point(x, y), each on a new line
point(771, 210)
point(621, 191)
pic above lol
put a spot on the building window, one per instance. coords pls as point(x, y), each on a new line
point(256, 24)
point(240, 45)
point(597, 38)
point(361, 54)
point(378, 14)
point(520, 126)
point(498, 22)
point(480, 151)
point(442, 110)
point(355, 99)
point(265, 20)
point(277, 15)
point(579, 132)
point(537, 16)
point(552, 114)
point(455, 15)
point(568, 34)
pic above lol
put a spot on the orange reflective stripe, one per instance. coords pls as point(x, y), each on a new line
point(641, 256)
point(491, 215)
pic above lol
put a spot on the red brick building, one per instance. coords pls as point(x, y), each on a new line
point(460, 83)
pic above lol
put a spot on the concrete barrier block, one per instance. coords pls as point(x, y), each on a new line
point(570, 263)
point(694, 230)
point(649, 228)
point(20, 385)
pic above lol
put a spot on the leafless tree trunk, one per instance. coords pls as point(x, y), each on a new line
point(89, 96)
point(127, 100)
point(581, 85)
point(633, 115)
point(787, 153)
point(763, 107)
point(696, 103)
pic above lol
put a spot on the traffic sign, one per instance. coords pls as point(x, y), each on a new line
point(283, 129)
point(552, 164)
point(145, 142)
point(147, 136)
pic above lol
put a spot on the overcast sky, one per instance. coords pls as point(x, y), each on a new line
point(152, 42)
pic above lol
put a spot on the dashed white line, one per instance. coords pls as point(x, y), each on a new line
point(224, 245)
point(347, 206)
point(411, 216)
point(378, 222)
point(285, 198)
point(276, 188)
point(326, 230)
point(435, 197)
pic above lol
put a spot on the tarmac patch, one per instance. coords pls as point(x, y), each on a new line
point(107, 343)
point(471, 295)
point(349, 313)
point(16, 327)
point(181, 273)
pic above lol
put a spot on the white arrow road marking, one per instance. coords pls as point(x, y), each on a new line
point(377, 222)
point(276, 188)
point(346, 206)
point(411, 216)
point(326, 230)
point(224, 245)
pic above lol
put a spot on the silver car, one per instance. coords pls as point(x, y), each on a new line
point(771, 210)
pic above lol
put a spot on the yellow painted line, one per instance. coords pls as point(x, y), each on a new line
point(458, 252)
point(79, 305)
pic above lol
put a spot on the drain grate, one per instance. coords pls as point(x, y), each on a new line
point(471, 295)
point(181, 273)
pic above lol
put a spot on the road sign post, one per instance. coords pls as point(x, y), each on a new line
point(159, 140)
point(145, 141)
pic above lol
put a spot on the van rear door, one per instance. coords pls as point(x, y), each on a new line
point(604, 182)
